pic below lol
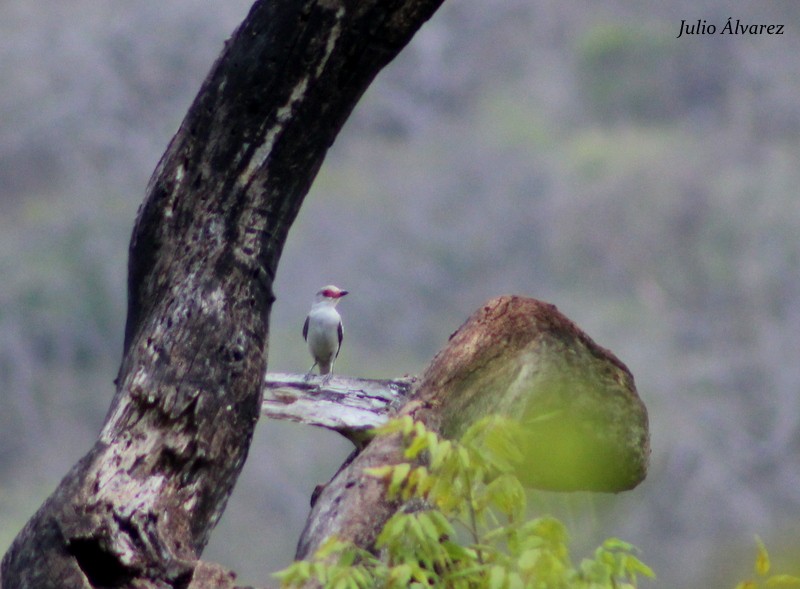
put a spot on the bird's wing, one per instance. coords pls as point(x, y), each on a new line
point(305, 330)
point(340, 331)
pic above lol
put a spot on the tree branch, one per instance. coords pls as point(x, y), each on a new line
point(349, 406)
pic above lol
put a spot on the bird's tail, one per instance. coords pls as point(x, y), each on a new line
point(324, 367)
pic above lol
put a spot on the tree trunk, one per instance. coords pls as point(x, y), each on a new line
point(138, 509)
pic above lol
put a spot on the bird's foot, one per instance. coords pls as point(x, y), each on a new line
point(327, 378)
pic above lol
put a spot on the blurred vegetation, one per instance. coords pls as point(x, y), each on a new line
point(631, 72)
point(464, 524)
point(572, 151)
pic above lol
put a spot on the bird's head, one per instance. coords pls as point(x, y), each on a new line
point(330, 294)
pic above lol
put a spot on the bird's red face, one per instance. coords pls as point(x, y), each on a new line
point(332, 292)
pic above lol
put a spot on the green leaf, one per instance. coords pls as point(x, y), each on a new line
point(362, 578)
point(463, 456)
point(319, 571)
point(552, 532)
point(634, 567)
point(428, 526)
point(417, 483)
point(403, 424)
point(443, 525)
point(380, 472)
point(417, 445)
point(296, 573)
point(762, 565)
point(441, 453)
point(343, 582)
point(400, 575)
point(330, 546)
point(507, 494)
point(347, 558)
point(497, 577)
point(399, 475)
point(459, 553)
point(391, 532)
point(528, 559)
point(617, 544)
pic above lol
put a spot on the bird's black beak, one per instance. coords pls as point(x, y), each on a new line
point(342, 293)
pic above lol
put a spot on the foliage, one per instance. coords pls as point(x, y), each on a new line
point(762, 577)
point(464, 525)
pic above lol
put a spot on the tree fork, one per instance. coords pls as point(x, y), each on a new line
point(138, 508)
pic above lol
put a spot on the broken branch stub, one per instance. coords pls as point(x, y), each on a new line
point(585, 426)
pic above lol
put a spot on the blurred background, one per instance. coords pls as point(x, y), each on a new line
point(570, 150)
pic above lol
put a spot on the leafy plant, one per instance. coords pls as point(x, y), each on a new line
point(762, 568)
point(464, 525)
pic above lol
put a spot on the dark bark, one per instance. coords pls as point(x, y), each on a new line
point(586, 427)
point(137, 510)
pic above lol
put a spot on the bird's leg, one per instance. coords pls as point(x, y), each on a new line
point(309, 373)
point(326, 379)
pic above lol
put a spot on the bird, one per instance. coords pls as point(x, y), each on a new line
point(323, 330)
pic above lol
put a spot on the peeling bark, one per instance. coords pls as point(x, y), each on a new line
point(585, 424)
point(138, 508)
point(349, 406)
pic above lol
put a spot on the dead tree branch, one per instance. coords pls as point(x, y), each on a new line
point(349, 406)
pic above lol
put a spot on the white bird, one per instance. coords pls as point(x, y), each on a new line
point(323, 330)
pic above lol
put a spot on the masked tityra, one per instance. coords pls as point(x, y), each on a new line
point(323, 329)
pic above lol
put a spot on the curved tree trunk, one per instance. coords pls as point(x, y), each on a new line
point(138, 509)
